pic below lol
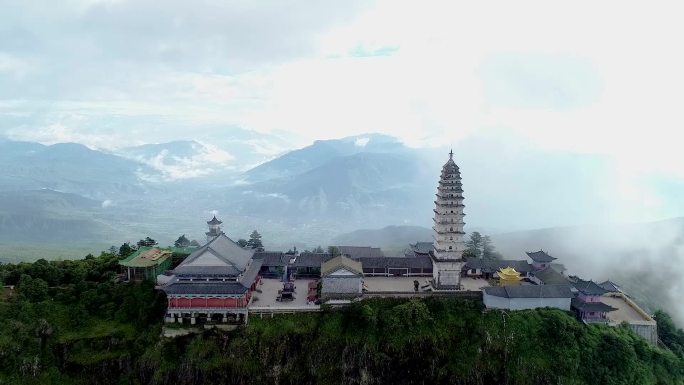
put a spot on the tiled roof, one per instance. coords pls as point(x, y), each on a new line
point(598, 307)
point(549, 276)
point(146, 257)
point(271, 258)
point(356, 252)
point(540, 256)
point(205, 288)
point(530, 291)
point(396, 262)
point(214, 221)
point(493, 265)
point(307, 260)
point(589, 287)
point(251, 273)
point(610, 286)
point(229, 257)
point(422, 247)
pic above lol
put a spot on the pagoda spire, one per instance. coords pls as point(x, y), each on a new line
point(448, 234)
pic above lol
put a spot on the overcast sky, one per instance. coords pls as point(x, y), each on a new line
point(600, 78)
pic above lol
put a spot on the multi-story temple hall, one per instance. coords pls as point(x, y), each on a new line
point(216, 281)
point(448, 244)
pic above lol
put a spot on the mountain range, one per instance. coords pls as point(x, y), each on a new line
point(304, 197)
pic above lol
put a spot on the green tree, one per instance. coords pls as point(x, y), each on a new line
point(334, 251)
point(668, 333)
point(255, 241)
point(242, 242)
point(126, 249)
point(488, 249)
point(319, 250)
point(474, 245)
point(194, 243)
point(182, 241)
point(149, 242)
point(33, 289)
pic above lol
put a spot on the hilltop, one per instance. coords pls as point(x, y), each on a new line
point(71, 323)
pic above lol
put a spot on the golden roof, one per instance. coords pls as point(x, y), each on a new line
point(508, 274)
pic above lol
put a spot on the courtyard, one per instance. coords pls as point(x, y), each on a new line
point(267, 293)
point(406, 285)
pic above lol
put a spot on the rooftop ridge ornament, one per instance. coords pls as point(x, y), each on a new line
point(451, 154)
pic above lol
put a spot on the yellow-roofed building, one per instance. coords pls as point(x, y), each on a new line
point(508, 276)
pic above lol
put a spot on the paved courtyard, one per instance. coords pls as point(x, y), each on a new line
point(405, 284)
point(393, 284)
point(269, 292)
point(624, 311)
point(474, 284)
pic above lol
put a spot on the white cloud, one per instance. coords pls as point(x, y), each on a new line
point(361, 142)
point(586, 77)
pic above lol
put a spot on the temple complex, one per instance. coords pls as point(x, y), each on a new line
point(448, 243)
point(222, 281)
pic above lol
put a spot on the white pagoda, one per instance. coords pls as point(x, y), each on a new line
point(448, 234)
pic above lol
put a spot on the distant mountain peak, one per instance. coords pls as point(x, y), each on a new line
point(179, 159)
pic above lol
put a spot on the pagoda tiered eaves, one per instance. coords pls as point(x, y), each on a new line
point(448, 228)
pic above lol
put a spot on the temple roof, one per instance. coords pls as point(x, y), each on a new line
point(221, 256)
point(530, 291)
point(214, 221)
point(589, 287)
point(550, 276)
point(306, 260)
point(356, 252)
point(540, 256)
point(508, 274)
point(492, 265)
point(597, 307)
point(422, 247)
point(146, 257)
point(271, 258)
point(610, 286)
point(341, 262)
point(396, 262)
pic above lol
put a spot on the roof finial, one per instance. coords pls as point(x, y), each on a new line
point(451, 154)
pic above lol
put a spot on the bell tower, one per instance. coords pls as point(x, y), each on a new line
point(214, 229)
point(448, 234)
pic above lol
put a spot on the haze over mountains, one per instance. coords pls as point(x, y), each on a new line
point(307, 196)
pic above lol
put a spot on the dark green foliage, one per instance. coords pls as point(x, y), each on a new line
point(242, 242)
point(474, 244)
point(669, 334)
point(33, 290)
point(149, 242)
point(480, 246)
point(87, 328)
point(81, 328)
point(334, 251)
point(255, 241)
point(126, 249)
